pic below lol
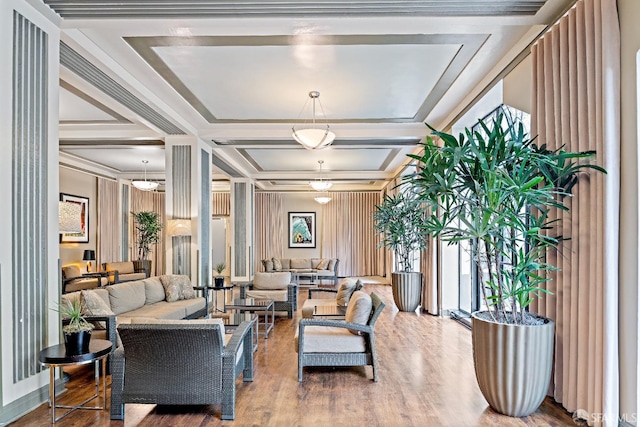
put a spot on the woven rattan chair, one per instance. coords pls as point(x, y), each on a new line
point(185, 364)
point(274, 286)
point(333, 355)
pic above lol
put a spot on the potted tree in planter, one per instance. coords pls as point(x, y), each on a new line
point(219, 279)
point(399, 219)
point(148, 227)
point(76, 330)
point(498, 189)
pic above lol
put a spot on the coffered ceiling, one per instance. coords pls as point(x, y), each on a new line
point(236, 75)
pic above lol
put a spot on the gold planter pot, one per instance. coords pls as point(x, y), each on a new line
point(407, 290)
point(513, 364)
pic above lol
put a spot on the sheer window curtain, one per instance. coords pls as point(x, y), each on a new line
point(221, 203)
point(576, 90)
point(348, 233)
point(270, 231)
point(108, 235)
point(154, 202)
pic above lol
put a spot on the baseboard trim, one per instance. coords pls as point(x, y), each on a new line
point(27, 403)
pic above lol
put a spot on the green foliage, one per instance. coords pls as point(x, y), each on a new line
point(399, 219)
point(71, 310)
point(148, 227)
point(220, 268)
point(498, 188)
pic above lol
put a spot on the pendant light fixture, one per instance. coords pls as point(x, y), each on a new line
point(321, 183)
point(323, 199)
point(314, 137)
point(144, 185)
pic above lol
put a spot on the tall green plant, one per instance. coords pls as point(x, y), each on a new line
point(148, 227)
point(497, 188)
point(399, 219)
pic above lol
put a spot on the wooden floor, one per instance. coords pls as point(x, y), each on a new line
point(426, 379)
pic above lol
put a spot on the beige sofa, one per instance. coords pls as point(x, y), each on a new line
point(123, 271)
point(159, 297)
point(322, 268)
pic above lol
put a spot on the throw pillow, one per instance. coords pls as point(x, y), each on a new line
point(359, 309)
point(322, 264)
point(277, 265)
point(332, 264)
point(173, 286)
point(345, 290)
point(94, 305)
point(268, 265)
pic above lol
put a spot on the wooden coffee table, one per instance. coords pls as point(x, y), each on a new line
point(258, 306)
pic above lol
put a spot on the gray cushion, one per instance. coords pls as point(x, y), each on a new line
point(271, 281)
point(177, 287)
point(154, 291)
point(277, 265)
point(96, 302)
point(71, 271)
point(327, 339)
point(345, 290)
point(126, 296)
point(122, 267)
point(300, 263)
point(268, 265)
point(359, 309)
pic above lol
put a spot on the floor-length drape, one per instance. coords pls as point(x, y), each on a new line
point(108, 235)
point(154, 202)
point(428, 268)
point(269, 227)
point(348, 233)
point(220, 203)
point(576, 69)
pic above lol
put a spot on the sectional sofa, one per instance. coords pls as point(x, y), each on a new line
point(159, 297)
point(310, 268)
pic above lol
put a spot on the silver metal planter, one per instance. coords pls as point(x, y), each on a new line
point(513, 364)
point(407, 290)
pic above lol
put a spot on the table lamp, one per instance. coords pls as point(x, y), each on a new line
point(89, 255)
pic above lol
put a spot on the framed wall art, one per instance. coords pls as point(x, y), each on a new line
point(302, 229)
point(83, 236)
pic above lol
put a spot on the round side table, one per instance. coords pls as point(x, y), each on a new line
point(55, 357)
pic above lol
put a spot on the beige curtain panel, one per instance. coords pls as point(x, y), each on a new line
point(576, 73)
point(154, 202)
point(270, 227)
point(221, 203)
point(348, 233)
point(108, 220)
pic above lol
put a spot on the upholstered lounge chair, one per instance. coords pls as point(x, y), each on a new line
point(350, 342)
point(185, 363)
point(274, 286)
point(73, 280)
point(124, 271)
point(346, 288)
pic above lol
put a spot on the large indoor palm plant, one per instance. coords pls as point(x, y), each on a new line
point(495, 188)
point(399, 220)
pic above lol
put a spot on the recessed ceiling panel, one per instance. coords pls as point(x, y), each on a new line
point(385, 81)
point(124, 159)
point(267, 160)
point(258, 79)
point(75, 109)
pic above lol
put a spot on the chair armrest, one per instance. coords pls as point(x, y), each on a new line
point(113, 276)
point(333, 323)
point(243, 288)
point(316, 290)
point(110, 322)
point(292, 295)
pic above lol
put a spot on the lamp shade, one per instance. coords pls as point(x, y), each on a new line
point(89, 255)
point(323, 200)
point(179, 227)
point(314, 138)
point(69, 217)
point(145, 185)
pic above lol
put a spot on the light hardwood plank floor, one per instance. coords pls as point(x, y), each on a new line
point(426, 379)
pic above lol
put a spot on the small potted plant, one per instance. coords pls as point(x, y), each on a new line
point(219, 279)
point(76, 329)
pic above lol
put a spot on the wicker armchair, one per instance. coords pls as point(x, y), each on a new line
point(326, 350)
point(274, 286)
point(180, 364)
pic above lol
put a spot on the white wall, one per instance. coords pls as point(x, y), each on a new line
point(84, 185)
point(301, 202)
point(628, 11)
